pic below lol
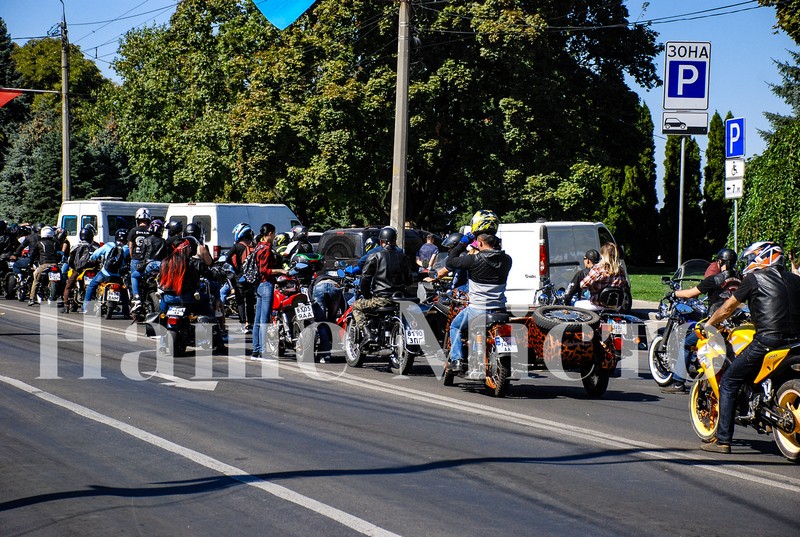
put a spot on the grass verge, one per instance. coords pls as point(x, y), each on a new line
point(646, 282)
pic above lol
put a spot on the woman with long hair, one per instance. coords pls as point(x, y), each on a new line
point(607, 273)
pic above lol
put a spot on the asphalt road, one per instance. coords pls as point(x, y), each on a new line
point(335, 451)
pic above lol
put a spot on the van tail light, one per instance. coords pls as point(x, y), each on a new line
point(217, 250)
point(543, 260)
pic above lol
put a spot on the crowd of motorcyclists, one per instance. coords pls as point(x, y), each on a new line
point(474, 261)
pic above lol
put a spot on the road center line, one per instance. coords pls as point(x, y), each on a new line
point(563, 429)
point(346, 519)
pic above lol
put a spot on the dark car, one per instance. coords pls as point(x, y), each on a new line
point(342, 247)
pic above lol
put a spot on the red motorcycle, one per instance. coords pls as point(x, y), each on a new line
point(291, 312)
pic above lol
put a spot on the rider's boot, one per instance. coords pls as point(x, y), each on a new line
point(369, 335)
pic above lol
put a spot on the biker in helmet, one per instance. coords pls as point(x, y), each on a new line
point(181, 270)
point(112, 250)
point(245, 294)
point(385, 273)
point(136, 244)
point(45, 252)
point(7, 243)
point(299, 244)
point(459, 276)
point(78, 260)
point(484, 221)
point(773, 296)
point(30, 241)
point(590, 259)
point(719, 288)
point(487, 273)
point(281, 242)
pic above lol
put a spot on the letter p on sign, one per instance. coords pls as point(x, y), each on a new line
point(734, 137)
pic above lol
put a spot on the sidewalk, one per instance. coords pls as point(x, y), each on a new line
point(644, 309)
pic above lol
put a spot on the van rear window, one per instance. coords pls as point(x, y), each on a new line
point(89, 221)
point(70, 223)
point(116, 222)
point(205, 223)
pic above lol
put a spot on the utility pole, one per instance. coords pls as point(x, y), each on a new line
point(400, 157)
point(65, 181)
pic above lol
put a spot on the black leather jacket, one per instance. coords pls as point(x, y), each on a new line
point(774, 301)
point(385, 273)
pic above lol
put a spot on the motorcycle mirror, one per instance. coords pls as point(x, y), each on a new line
point(340, 273)
point(665, 280)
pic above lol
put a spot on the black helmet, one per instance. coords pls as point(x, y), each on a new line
point(61, 234)
point(192, 243)
point(282, 239)
point(121, 235)
point(37, 227)
point(23, 231)
point(174, 228)
point(87, 234)
point(156, 227)
point(388, 234)
point(194, 230)
point(726, 254)
point(452, 239)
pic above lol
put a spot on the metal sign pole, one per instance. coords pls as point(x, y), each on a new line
point(736, 226)
point(680, 205)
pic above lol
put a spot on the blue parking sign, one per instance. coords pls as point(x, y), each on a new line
point(734, 137)
point(687, 80)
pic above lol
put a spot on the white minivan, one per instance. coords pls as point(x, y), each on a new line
point(547, 250)
point(105, 214)
point(219, 219)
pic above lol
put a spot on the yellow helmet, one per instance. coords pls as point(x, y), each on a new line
point(484, 222)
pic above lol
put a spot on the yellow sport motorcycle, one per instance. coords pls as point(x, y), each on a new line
point(771, 403)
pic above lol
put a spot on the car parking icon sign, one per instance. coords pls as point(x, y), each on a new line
point(686, 75)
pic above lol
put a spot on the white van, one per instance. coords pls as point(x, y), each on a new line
point(106, 214)
point(219, 219)
point(547, 250)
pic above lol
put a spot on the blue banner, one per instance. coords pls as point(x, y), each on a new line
point(282, 13)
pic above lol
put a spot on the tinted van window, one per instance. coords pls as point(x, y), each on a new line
point(89, 221)
point(70, 223)
point(116, 222)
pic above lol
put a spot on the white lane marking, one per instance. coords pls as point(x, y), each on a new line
point(206, 385)
point(346, 519)
point(563, 429)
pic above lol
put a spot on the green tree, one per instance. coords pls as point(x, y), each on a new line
point(693, 236)
point(14, 111)
point(787, 13)
point(220, 105)
point(716, 209)
point(769, 209)
point(789, 91)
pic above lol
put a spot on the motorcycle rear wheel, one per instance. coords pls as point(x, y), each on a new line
point(594, 379)
point(656, 359)
point(304, 341)
point(703, 410)
point(789, 398)
point(498, 370)
point(352, 344)
point(400, 361)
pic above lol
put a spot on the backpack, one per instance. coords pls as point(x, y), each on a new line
point(250, 272)
point(114, 260)
point(82, 256)
point(248, 249)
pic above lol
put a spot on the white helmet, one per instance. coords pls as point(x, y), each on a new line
point(48, 232)
point(143, 214)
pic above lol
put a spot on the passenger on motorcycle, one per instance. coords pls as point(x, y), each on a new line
point(268, 268)
point(136, 245)
point(488, 273)
point(196, 231)
point(79, 260)
point(607, 273)
point(245, 294)
point(773, 296)
point(154, 247)
point(180, 276)
point(64, 248)
point(44, 252)
point(31, 238)
point(385, 273)
point(281, 242)
point(326, 294)
point(719, 287)
point(590, 259)
point(459, 275)
point(299, 244)
point(113, 253)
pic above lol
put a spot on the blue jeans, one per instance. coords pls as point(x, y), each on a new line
point(20, 264)
point(326, 296)
point(136, 277)
point(95, 283)
point(224, 291)
point(682, 366)
point(458, 327)
point(744, 368)
point(263, 313)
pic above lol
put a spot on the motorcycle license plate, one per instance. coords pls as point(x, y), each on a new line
point(619, 329)
point(87, 280)
point(113, 296)
point(304, 312)
point(505, 344)
point(55, 276)
point(176, 310)
point(415, 337)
